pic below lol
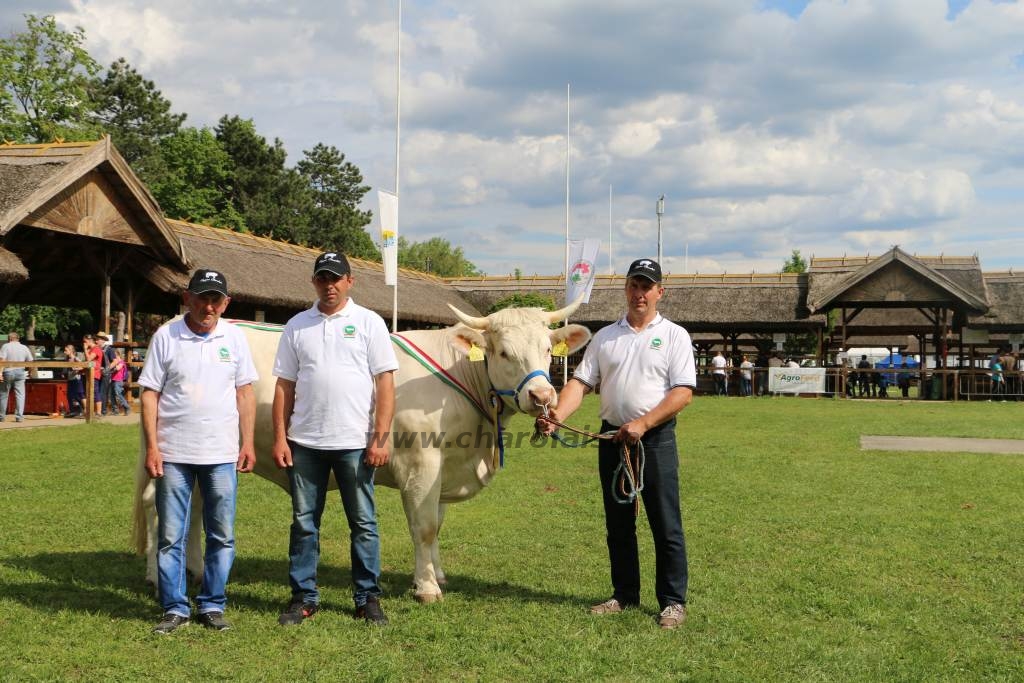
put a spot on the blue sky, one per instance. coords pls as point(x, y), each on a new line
point(829, 126)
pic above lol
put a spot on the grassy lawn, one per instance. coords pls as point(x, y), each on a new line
point(809, 560)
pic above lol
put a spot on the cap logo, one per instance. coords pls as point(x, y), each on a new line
point(330, 256)
point(645, 264)
point(211, 276)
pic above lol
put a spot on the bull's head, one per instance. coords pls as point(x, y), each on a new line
point(518, 343)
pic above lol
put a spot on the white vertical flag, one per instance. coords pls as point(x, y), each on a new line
point(582, 268)
point(388, 214)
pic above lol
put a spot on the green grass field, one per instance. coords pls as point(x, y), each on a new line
point(809, 560)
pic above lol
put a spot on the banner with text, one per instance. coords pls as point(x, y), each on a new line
point(796, 380)
point(388, 213)
point(582, 268)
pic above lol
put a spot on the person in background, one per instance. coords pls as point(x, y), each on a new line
point(746, 376)
point(76, 391)
point(14, 377)
point(119, 373)
point(94, 354)
point(903, 380)
point(718, 374)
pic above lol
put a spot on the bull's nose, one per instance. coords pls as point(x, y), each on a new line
point(542, 396)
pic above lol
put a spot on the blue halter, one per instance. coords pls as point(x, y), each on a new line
point(515, 394)
point(515, 397)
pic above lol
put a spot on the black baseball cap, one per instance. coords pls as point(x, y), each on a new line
point(205, 280)
point(332, 262)
point(645, 267)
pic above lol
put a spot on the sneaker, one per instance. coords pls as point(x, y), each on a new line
point(672, 616)
point(170, 623)
point(214, 620)
point(372, 613)
point(297, 612)
point(609, 606)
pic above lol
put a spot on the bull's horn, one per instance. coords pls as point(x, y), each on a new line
point(483, 323)
point(563, 313)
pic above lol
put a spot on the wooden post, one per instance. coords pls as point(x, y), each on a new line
point(90, 402)
point(130, 329)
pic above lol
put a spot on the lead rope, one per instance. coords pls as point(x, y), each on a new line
point(628, 479)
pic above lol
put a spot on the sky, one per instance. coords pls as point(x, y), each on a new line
point(829, 126)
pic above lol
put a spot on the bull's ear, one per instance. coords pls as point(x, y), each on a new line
point(574, 336)
point(466, 338)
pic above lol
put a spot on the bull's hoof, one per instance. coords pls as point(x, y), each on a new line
point(429, 598)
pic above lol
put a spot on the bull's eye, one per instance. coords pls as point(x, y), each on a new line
point(504, 355)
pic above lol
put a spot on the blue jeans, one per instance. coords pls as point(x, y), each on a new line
point(308, 478)
point(218, 484)
point(13, 378)
point(661, 503)
point(745, 383)
point(119, 399)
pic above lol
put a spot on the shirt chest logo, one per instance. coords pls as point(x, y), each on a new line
point(656, 343)
point(224, 354)
point(350, 331)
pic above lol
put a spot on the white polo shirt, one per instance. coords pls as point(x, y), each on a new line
point(197, 414)
point(637, 369)
point(333, 360)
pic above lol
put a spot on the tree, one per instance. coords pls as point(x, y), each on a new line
point(795, 263)
point(135, 114)
point(45, 76)
point(274, 201)
point(336, 222)
point(523, 300)
point(191, 179)
point(436, 256)
point(32, 321)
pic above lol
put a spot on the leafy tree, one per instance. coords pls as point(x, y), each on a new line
point(272, 203)
point(32, 321)
point(795, 263)
point(523, 300)
point(45, 76)
point(191, 179)
point(135, 114)
point(336, 221)
point(436, 256)
point(799, 343)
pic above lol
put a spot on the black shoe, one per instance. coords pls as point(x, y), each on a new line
point(214, 620)
point(170, 623)
point(297, 612)
point(372, 613)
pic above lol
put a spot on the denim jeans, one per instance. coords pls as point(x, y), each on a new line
point(745, 383)
point(218, 484)
point(119, 399)
point(308, 478)
point(14, 378)
point(661, 503)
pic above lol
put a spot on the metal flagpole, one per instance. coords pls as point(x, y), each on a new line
point(565, 360)
point(398, 147)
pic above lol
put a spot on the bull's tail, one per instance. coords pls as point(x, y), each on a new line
point(139, 526)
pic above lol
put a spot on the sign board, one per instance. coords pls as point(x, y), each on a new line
point(974, 336)
point(796, 380)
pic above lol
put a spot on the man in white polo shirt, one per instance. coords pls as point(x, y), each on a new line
point(644, 365)
point(197, 405)
point(333, 405)
point(14, 378)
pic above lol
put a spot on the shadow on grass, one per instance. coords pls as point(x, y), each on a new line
point(113, 583)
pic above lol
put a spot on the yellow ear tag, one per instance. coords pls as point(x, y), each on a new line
point(476, 354)
point(561, 350)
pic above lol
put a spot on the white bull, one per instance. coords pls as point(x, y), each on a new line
point(443, 443)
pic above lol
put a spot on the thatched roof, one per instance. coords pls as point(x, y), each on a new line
point(33, 175)
point(959, 279)
point(271, 274)
point(12, 270)
point(698, 302)
point(1006, 295)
